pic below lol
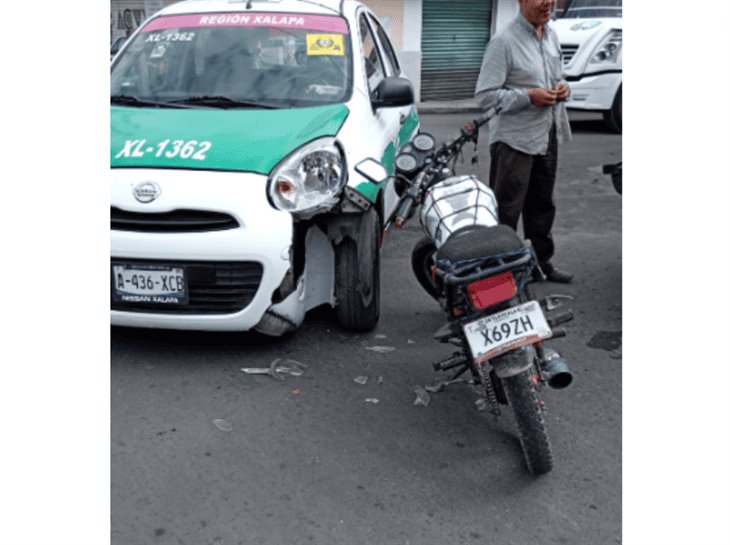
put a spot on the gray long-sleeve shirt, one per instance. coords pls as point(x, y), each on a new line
point(517, 60)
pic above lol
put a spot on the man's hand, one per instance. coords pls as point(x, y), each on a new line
point(562, 90)
point(541, 96)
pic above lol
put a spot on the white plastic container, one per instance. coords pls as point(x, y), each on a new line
point(457, 202)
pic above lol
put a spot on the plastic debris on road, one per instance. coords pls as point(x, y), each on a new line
point(381, 380)
point(422, 397)
point(373, 400)
point(361, 379)
point(222, 425)
point(481, 404)
point(440, 385)
point(381, 336)
point(278, 368)
point(256, 370)
point(380, 349)
point(436, 387)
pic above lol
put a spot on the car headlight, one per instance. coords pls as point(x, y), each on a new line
point(609, 49)
point(309, 180)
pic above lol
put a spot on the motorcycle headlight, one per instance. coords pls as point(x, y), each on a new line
point(423, 142)
point(405, 162)
point(609, 49)
point(309, 180)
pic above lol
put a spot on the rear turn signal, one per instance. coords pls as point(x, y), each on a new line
point(490, 291)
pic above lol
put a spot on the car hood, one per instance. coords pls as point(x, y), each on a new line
point(234, 140)
point(578, 31)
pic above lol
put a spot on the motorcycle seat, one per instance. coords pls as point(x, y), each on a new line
point(479, 241)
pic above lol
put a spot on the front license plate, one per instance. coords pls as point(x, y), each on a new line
point(499, 333)
point(157, 284)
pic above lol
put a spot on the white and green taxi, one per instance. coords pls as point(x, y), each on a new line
point(237, 128)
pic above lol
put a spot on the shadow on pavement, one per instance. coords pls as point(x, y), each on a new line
point(588, 122)
point(131, 336)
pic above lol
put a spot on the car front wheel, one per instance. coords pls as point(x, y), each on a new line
point(613, 116)
point(357, 276)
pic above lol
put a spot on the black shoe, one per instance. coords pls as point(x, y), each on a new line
point(556, 275)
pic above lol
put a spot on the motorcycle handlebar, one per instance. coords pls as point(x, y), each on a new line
point(471, 129)
point(409, 200)
point(481, 120)
point(404, 210)
point(405, 207)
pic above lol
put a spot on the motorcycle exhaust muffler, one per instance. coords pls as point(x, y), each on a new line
point(555, 370)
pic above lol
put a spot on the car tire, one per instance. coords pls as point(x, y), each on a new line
point(613, 116)
point(357, 276)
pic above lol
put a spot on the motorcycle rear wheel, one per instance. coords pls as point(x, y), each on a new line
point(522, 397)
point(422, 259)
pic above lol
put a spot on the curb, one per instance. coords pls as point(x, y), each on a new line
point(448, 107)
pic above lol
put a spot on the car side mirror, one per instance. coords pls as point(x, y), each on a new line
point(393, 92)
point(372, 170)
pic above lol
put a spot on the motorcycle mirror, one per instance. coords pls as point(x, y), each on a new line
point(372, 170)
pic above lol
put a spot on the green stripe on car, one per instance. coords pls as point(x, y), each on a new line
point(205, 139)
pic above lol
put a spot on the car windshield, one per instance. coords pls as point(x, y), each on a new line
point(235, 60)
point(581, 9)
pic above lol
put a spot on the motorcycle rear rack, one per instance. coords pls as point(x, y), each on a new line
point(462, 273)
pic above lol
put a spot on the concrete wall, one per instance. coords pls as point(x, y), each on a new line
point(390, 13)
point(502, 12)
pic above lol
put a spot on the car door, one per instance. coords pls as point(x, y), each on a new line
point(387, 121)
point(406, 116)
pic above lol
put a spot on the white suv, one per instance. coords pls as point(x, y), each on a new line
point(590, 33)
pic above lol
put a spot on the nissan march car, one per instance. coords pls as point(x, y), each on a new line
point(237, 129)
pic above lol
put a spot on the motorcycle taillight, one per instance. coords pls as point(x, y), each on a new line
point(490, 291)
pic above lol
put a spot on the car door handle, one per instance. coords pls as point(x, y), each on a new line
point(402, 118)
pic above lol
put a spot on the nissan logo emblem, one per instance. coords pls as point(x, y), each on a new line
point(146, 192)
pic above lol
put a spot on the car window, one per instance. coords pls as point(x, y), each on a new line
point(176, 58)
point(387, 47)
point(374, 70)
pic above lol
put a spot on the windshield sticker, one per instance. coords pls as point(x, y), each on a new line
point(159, 51)
point(192, 149)
point(320, 23)
point(325, 44)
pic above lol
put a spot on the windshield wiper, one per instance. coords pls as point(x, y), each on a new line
point(224, 102)
point(128, 100)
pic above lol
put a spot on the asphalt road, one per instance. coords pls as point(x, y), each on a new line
point(313, 459)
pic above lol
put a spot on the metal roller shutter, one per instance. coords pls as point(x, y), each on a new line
point(454, 36)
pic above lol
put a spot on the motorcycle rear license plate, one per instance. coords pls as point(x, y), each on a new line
point(498, 333)
point(149, 283)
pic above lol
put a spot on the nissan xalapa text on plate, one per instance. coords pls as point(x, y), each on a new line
point(236, 131)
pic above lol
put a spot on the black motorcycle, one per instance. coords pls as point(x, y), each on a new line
point(481, 273)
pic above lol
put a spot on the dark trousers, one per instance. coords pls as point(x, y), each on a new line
point(523, 184)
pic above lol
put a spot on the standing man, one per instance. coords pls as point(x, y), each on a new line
point(522, 73)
